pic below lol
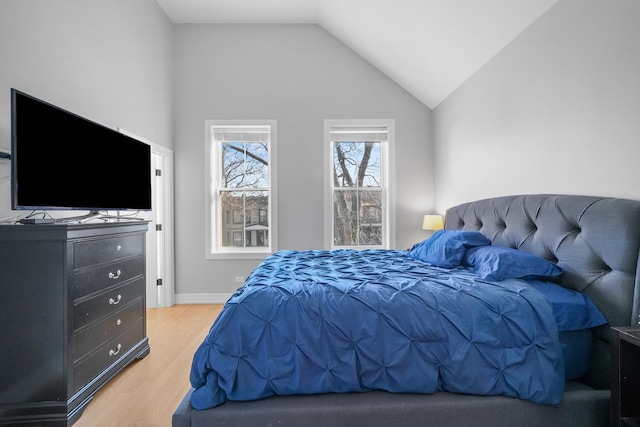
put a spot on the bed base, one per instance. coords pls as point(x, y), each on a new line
point(582, 406)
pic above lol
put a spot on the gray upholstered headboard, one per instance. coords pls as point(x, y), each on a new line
point(596, 240)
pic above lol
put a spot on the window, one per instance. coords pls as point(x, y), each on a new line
point(240, 165)
point(358, 208)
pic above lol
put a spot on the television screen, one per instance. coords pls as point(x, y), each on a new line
point(60, 160)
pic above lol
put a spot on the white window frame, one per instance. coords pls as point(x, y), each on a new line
point(214, 249)
point(387, 153)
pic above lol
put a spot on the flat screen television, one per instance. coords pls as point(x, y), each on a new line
point(61, 161)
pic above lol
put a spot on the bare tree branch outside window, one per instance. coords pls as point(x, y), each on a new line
point(357, 196)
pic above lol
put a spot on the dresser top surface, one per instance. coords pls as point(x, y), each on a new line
point(69, 231)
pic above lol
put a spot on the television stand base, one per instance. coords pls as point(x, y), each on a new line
point(97, 215)
point(37, 221)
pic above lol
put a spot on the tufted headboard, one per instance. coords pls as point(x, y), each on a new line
point(596, 240)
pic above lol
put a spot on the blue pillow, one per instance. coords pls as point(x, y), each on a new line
point(501, 263)
point(446, 248)
point(572, 310)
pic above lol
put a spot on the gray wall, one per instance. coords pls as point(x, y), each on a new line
point(298, 75)
point(109, 61)
point(556, 111)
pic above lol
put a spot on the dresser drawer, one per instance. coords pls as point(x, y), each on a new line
point(88, 281)
point(108, 354)
point(97, 251)
point(106, 303)
point(89, 339)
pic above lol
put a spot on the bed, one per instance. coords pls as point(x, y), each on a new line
point(592, 245)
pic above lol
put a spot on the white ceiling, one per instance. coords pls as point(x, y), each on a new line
point(429, 47)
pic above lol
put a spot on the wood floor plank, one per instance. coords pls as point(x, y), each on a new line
point(148, 391)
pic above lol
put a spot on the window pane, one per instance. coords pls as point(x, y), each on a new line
point(257, 221)
point(232, 165)
point(357, 217)
point(370, 224)
point(356, 164)
point(245, 165)
point(232, 209)
point(244, 213)
point(257, 162)
point(345, 218)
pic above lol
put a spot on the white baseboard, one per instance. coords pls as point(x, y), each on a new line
point(217, 298)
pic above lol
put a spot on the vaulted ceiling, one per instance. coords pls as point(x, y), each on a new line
point(429, 47)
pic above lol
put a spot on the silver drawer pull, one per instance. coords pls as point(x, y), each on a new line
point(115, 301)
point(118, 248)
point(118, 322)
point(113, 352)
point(115, 276)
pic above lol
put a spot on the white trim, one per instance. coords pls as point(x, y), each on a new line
point(387, 150)
point(213, 298)
point(209, 158)
point(166, 293)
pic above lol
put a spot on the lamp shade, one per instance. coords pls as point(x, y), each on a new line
point(432, 222)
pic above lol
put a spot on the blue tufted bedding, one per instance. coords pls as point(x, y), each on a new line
point(343, 321)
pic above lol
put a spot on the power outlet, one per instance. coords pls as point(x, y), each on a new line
point(239, 279)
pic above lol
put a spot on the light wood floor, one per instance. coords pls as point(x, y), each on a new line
point(147, 392)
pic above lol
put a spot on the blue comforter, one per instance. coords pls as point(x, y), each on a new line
point(351, 321)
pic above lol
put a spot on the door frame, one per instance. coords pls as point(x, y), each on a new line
point(166, 293)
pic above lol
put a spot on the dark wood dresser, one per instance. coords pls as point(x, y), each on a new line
point(72, 315)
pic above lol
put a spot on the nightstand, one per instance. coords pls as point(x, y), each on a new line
point(625, 376)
